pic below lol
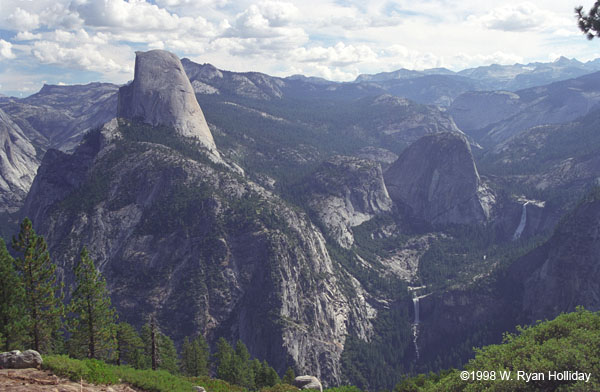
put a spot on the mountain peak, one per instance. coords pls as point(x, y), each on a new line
point(161, 94)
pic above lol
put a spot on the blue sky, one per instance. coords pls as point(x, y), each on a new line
point(80, 41)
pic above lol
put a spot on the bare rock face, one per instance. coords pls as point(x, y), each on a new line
point(18, 164)
point(20, 360)
point(436, 180)
point(345, 192)
point(161, 94)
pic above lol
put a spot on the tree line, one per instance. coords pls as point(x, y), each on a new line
point(33, 315)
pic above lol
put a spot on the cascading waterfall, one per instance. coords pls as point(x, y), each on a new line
point(522, 223)
point(415, 326)
point(416, 306)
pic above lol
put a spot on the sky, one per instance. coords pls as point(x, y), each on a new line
point(81, 41)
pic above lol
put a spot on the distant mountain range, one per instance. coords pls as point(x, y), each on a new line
point(500, 77)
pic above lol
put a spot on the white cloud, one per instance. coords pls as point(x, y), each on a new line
point(278, 13)
point(518, 17)
point(20, 19)
point(135, 15)
point(399, 56)
point(81, 50)
point(6, 50)
point(463, 60)
point(27, 36)
point(338, 55)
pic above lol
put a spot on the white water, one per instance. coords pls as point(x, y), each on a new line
point(522, 223)
point(415, 326)
point(416, 307)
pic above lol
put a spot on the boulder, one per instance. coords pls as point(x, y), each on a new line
point(198, 388)
point(20, 360)
point(308, 382)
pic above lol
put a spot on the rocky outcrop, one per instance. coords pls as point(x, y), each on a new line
point(345, 192)
point(18, 164)
point(161, 94)
point(20, 360)
point(308, 382)
point(436, 180)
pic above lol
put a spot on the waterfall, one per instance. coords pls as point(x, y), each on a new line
point(415, 326)
point(522, 223)
point(416, 306)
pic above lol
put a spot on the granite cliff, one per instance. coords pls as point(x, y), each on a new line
point(436, 180)
point(18, 164)
point(161, 94)
point(345, 192)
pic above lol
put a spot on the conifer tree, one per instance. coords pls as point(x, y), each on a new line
point(289, 376)
point(92, 320)
point(268, 375)
point(159, 349)
point(243, 372)
point(168, 354)
point(42, 301)
point(130, 347)
point(194, 357)
point(12, 311)
point(225, 357)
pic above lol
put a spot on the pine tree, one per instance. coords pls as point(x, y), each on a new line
point(268, 375)
point(92, 320)
point(43, 306)
point(130, 347)
point(194, 357)
point(259, 376)
point(159, 349)
point(243, 373)
point(289, 376)
point(167, 354)
point(12, 311)
point(225, 357)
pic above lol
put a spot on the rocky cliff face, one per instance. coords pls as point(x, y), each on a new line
point(202, 248)
point(161, 94)
point(436, 180)
point(345, 192)
point(18, 164)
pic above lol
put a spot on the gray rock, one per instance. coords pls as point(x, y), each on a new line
point(274, 252)
point(198, 388)
point(20, 360)
point(345, 192)
point(308, 382)
point(161, 94)
point(18, 164)
point(437, 181)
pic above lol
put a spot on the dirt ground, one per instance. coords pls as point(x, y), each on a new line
point(34, 380)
